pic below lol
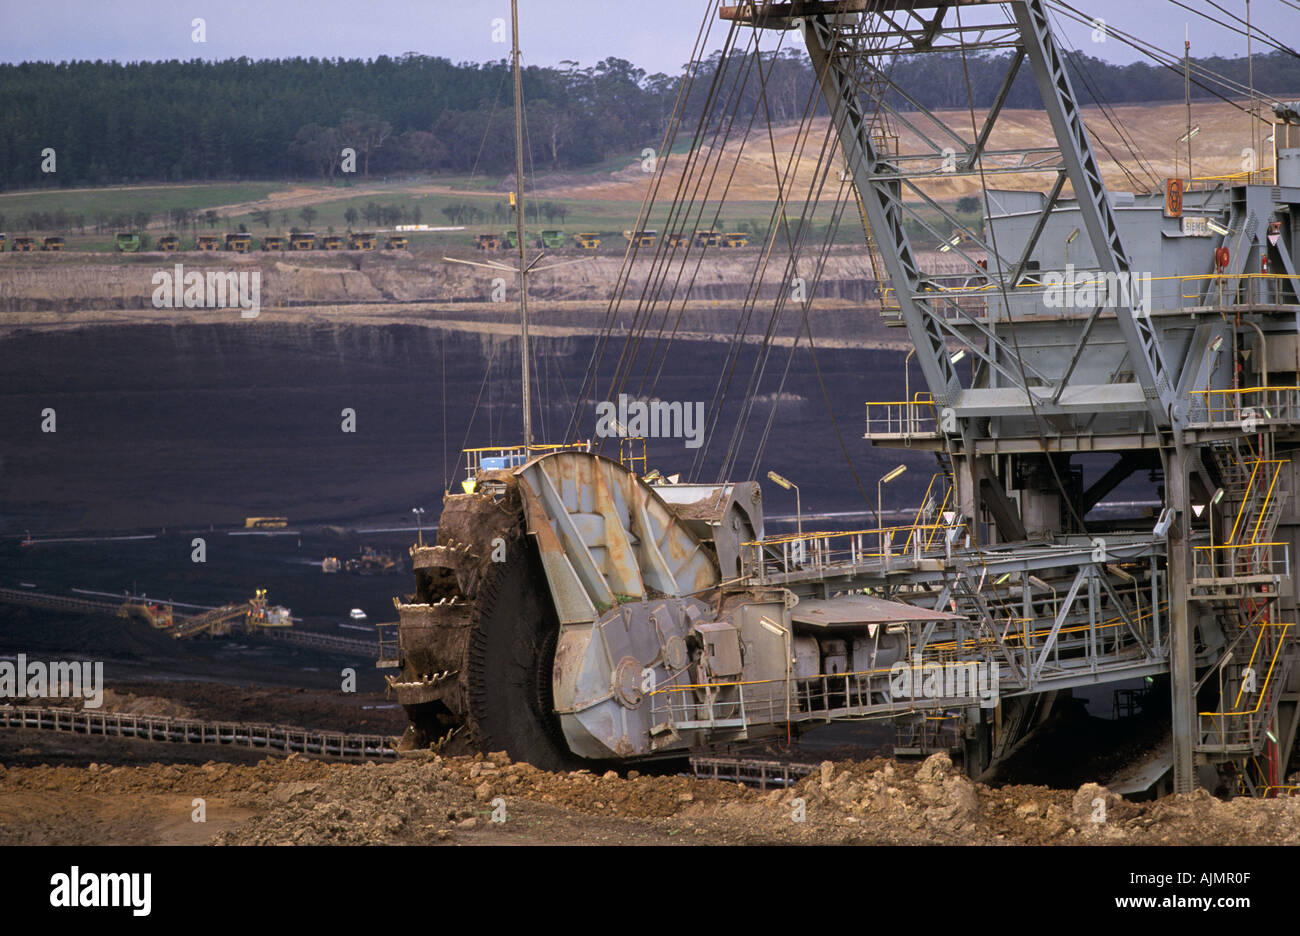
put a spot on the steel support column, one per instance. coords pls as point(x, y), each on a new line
point(1182, 621)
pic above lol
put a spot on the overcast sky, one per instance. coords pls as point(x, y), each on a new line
point(657, 35)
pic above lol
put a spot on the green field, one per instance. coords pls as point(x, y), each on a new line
point(155, 199)
point(479, 205)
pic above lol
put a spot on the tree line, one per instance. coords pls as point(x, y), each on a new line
point(108, 122)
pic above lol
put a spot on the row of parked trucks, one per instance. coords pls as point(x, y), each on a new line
point(129, 242)
point(242, 243)
point(555, 239)
point(27, 244)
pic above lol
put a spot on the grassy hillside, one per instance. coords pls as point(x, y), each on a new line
point(607, 198)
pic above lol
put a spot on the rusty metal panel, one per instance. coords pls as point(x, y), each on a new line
point(617, 535)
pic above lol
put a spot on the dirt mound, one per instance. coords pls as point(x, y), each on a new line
point(431, 799)
point(131, 704)
point(360, 712)
point(119, 703)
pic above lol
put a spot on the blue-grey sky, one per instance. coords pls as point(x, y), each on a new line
point(657, 35)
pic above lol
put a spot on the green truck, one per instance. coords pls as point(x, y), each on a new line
point(551, 238)
point(127, 242)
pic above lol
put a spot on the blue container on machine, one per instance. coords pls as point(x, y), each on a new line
point(501, 462)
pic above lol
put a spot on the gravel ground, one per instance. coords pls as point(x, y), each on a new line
point(427, 799)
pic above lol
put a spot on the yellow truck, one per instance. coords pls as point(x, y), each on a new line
point(641, 238)
point(265, 523)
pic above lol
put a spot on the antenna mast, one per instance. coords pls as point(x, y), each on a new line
point(1187, 95)
point(519, 225)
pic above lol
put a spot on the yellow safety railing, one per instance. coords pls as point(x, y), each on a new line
point(1239, 560)
point(819, 552)
point(474, 456)
point(1251, 177)
point(903, 418)
point(632, 453)
point(935, 654)
point(514, 454)
point(1241, 404)
point(1268, 496)
point(920, 510)
point(791, 678)
point(532, 449)
point(1289, 789)
point(823, 539)
point(1262, 693)
point(1025, 635)
point(1250, 484)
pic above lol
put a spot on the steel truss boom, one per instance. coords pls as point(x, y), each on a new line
point(839, 37)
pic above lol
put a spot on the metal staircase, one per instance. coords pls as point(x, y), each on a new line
point(1254, 671)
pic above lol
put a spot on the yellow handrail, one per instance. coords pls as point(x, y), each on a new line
point(828, 534)
point(1245, 499)
point(1026, 636)
point(924, 497)
point(1268, 497)
point(1206, 554)
point(947, 494)
point(1295, 788)
point(1269, 675)
point(535, 447)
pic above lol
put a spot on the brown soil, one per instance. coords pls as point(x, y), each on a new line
point(1151, 127)
point(303, 708)
point(430, 800)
